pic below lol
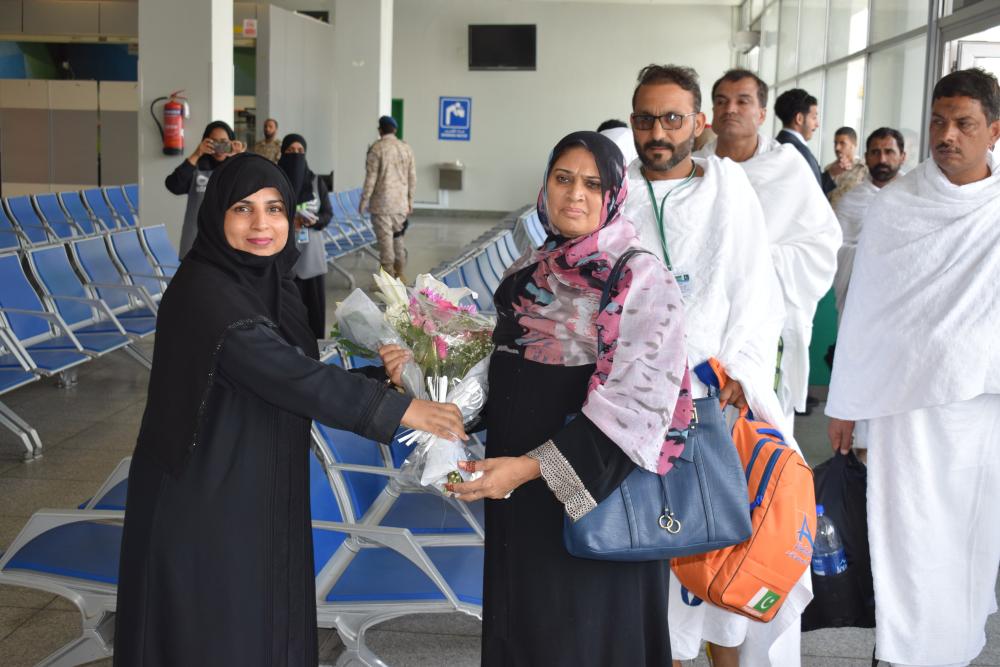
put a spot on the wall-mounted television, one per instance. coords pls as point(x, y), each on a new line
point(502, 47)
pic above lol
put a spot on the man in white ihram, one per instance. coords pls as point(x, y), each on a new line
point(918, 362)
point(702, 217)
point(801, 227)
point(884, 156)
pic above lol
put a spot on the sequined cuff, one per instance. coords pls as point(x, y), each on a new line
point(562, 480)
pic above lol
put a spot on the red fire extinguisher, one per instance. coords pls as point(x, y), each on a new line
point(172, 129)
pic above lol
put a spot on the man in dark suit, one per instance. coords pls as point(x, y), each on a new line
point(799, 114)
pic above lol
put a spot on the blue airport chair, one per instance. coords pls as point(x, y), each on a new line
point(497, 260)
point(368, 572)
point(134, 307)
point(490, 276)
point(10, 236)
point(90, 329)
point(23, 214)
point(474, 281)
point(112, 493)
point(74, 554)
point(91, 319)
point(79, 215)
point(48, 205)
point(502, 253)
point(99, 209)
point(132, 193)
point(11, 379)
point(161, 249)
point(115, 196)
point(512, 246)
point(137, 264)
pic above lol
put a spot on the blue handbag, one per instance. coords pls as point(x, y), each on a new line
point(699, 505)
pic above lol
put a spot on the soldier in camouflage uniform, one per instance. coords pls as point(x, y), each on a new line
point(390, 180)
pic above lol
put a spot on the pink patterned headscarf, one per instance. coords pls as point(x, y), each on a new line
point(639, 394)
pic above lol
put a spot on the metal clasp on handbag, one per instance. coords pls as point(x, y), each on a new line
point(669, 522)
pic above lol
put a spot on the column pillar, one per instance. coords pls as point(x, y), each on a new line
point(183, 44)
point(363, 73)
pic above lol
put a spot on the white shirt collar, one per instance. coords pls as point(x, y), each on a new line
point(795, 133)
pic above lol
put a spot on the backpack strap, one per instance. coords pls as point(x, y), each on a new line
point(616, 274)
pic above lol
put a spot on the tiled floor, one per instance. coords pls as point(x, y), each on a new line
point(89, 428)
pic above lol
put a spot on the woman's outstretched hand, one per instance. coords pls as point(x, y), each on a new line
point(501, 475)
point(441, 419)
point(393, 358)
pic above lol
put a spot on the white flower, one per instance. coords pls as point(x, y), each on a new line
point(426, 281)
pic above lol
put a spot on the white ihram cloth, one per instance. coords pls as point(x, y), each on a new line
point(918, 361)
point(933, 495)
point(734, 311)
point(850, 210)
point(804, 237)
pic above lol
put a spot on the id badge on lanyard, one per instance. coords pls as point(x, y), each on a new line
point(302, 236)
point(683, 278)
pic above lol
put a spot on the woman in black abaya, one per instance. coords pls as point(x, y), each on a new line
point(216, 563)
point(313, 212)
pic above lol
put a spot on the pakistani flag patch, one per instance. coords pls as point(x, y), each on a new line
point(762, 601)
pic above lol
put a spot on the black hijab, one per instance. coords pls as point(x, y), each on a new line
point(207, 162)
point(297, 169)
point(217, 289)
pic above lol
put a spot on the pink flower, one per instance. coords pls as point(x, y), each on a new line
point(441, 346)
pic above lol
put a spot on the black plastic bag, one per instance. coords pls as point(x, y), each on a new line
point(846, 599)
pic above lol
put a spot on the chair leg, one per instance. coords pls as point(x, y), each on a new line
point(23, 430)
point(94, 643)
point(352, 632)
point(346, 274)
point(137, 355)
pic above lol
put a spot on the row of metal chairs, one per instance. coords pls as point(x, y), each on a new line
point(35, 220)
point(482, 265)
point(348, 232)
point(382, 549)
point(63, 304)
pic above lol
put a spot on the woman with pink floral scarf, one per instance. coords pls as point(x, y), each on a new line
point(578, 398)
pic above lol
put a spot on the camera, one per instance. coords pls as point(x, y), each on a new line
point(223, 147)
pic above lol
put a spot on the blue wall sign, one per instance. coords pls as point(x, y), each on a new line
point(454, 118)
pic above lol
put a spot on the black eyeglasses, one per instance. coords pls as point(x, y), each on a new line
point(668, 121)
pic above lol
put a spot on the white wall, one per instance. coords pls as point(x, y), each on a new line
point(201, 64)
point(294, 84)
point(588, 55)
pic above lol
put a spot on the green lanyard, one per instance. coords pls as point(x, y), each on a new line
point(658, 211)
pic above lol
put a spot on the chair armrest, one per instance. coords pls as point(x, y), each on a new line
point(162, 279)
point(137, 290)
point(97, 303)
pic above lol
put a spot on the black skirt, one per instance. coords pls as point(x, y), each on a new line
point(542, 606)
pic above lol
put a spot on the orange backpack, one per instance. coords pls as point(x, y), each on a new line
point(753, 578)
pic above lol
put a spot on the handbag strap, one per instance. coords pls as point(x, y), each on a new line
point(616, 274)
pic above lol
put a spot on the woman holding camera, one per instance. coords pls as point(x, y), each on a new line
point(218, 143)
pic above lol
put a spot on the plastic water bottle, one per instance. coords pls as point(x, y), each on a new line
point(828, 551)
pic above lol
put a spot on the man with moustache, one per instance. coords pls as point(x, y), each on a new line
point(702, 217)
point(801, 227)
point(918, 363)
point(884, 156)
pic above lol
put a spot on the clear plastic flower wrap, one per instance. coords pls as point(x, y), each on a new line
point(451, 344)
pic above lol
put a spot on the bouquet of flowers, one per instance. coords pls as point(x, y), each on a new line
point(451, 344)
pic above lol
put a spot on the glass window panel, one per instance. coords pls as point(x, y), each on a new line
point(788, 38)
point(812, 27)
point(772, 125)
point(897, 73)
point(769, 44)
point(813, 84)
point(844, 104)
point(848, 31)
point(894, 17)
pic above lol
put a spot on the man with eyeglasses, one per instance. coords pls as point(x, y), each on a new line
point(702, 218)
point(802, 229)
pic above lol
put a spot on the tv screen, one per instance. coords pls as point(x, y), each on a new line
point(505, 47)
